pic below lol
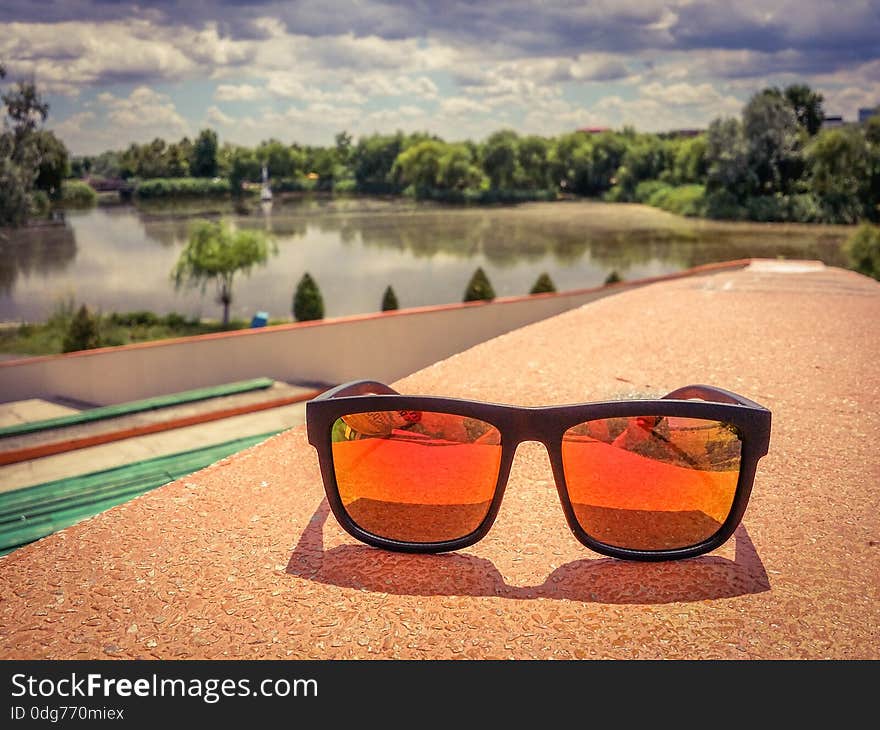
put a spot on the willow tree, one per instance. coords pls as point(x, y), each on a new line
point(215, 253)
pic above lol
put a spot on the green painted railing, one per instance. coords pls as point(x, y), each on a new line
point(34, 512)
point(137, 406)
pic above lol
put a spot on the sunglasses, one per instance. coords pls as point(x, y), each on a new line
point(639, 479)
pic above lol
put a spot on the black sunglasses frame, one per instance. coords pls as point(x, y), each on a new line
point(545, 425)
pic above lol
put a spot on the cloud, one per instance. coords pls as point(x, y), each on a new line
point(375, 64)
point(238, 92)
point(65, 57)
point(141, 116)
point(460, 105)
point(689, 95)
point(146, 109)
point(216, 116)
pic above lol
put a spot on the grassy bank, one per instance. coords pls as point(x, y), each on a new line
point(113, 329)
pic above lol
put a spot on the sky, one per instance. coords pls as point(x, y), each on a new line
point(116, 72)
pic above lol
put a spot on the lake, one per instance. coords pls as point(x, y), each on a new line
point(118, 257)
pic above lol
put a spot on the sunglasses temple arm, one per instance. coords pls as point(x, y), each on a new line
point(710, 393)
point(357, 387)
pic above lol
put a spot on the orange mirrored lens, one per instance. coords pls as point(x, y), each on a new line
point(416, 476)
point(651, 482)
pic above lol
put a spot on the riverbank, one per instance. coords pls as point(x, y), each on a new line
point(125, 328)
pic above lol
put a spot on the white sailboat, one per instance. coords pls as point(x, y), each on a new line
point(266, 191)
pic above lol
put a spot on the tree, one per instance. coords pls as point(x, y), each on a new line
point(281, 160)
point(807, 106)
point(419, 165)
point(646, 157)
point(215, 252)
point(568, 159)
point(457, 170)
point(613, 278)
point(479, 288)
point(838, 165)
point(863, 250)
point(543, 285)
point(54, 163)
point(534, 170)
point(389, 300)
point(373, 160)
point(499, 158)
point(243, 166)
point(774, 150)
point(204, 154)
point(872, 138)
point(20, 154)
point(308, 304)
point(82, 333)
point(343, 147)
point(727, 159)
point(689, 164)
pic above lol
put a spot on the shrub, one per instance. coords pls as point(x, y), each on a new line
point(543, 285)
point(685, 200)
point(479, 287)
point(77, 194)
point(82, 334)
point(765, 208)
point(347, 185)
point(292, 185)
point(140, 318)
point(722, 204)
point(308, 304)
point(647, 188)
point(62, 313)
point(175, 321)
point(163, 187)
point(613, 278)
point(389, 300)
point(863, 250)
point(38, 203)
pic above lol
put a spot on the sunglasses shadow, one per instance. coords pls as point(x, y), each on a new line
point(594, 580)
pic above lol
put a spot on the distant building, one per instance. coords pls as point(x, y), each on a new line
point(594, 130)
point(832, 121)
point(865, 113)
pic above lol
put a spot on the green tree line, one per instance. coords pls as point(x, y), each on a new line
point(775, 162)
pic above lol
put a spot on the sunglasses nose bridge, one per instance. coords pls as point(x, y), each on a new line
point(532, 425)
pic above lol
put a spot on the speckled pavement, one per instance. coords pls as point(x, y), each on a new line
point(241, 560)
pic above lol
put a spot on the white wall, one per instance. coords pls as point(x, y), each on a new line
point(379, 346)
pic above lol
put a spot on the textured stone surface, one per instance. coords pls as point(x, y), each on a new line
point(242, 559)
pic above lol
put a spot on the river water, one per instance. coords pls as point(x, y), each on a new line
point(119, 257)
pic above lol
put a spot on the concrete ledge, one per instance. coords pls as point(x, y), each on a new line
point(241, 559)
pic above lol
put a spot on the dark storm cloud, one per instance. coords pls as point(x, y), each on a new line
point(816, 34)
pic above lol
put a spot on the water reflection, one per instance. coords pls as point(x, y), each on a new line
point(119, 257)
point(34, 252)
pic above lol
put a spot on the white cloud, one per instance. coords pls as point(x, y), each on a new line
point(683, 94)
point(460, 105)
point(113, 122)
point(238, 92)
point(64, 57)
point(215, 115)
